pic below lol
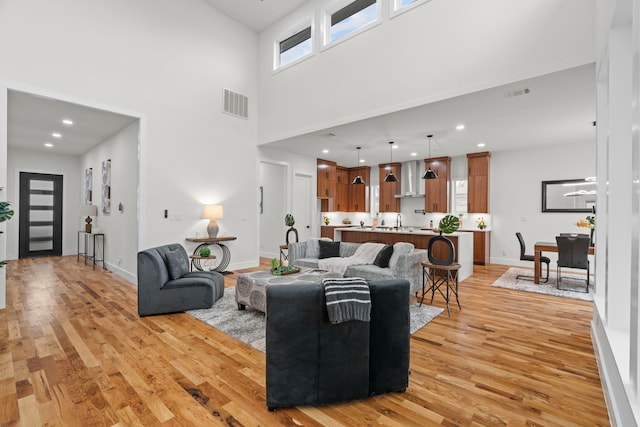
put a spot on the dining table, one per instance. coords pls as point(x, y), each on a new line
point(540, 247)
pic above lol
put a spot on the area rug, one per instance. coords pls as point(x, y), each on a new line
point(248, 325)
point(508, 280)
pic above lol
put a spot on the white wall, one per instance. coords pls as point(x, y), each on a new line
point(119, 227)
point(438, 50)
point(40, 162)
point(166, 62)
point(3, 193)
point(616, 317)
point(516, 196)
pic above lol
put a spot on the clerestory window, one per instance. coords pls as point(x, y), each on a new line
point(348, 18)
point(294, 47)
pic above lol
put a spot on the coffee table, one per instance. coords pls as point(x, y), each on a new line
point(251, 288)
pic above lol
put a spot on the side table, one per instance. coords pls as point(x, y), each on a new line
point(93, 254)
point(211, 241)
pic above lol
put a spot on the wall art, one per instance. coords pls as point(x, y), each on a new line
point(106, 186)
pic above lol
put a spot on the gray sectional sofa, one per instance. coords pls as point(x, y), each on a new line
point(404, 263)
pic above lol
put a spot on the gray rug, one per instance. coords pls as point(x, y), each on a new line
point(248, 325)
point(571, 281)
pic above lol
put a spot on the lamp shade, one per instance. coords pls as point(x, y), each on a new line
point(88, 210)
point(213, 212)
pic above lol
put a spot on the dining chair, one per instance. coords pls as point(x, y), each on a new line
point(524, 257)
point(573, 252)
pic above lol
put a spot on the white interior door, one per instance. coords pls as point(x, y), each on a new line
point(273, 180)
point(302, 205)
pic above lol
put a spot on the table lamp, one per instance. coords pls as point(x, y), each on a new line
point(213, 212)
point(89, 211)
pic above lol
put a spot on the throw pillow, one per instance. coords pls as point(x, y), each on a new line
point(329, 249)
point(383, 257)
point(175, 264)
point(399, 248)
point(313, 247)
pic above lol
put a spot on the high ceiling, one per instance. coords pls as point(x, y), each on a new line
point(256, 14)
point(558, 108)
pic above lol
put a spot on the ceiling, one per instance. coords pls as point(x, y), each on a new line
point(256, 14)
point(559, 108)
point(33, 119)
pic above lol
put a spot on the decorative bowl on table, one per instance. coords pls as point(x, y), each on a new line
point(284, 270)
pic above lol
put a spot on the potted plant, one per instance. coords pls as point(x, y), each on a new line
point(5, 214)
point(289, 221)
point(449, 224)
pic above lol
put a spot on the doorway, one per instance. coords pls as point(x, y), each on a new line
point(302, 205)
point(273, 208)
point(40, 224)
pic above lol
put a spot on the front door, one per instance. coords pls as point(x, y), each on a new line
point(40, 230)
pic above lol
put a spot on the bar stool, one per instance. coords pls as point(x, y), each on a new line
point(284, 255)
point(437, 272)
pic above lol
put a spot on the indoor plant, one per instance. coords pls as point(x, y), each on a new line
point(5, 214)
point(449, 224)
point(289, 221)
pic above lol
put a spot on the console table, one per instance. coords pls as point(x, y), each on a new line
point(91, 256)
point(211, 241)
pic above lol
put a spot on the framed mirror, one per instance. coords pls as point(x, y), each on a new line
point(569, 195)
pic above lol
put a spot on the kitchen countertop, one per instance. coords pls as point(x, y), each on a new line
point(403, 230)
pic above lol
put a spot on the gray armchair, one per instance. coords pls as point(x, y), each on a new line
point(166, 286)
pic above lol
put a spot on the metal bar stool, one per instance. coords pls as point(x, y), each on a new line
point(434, 276)
point(438, 271)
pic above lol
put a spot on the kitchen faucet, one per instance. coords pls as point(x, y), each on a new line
point(399, 221)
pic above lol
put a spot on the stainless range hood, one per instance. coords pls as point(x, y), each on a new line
point(411, 182)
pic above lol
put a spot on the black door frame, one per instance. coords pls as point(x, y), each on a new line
point(25, 222)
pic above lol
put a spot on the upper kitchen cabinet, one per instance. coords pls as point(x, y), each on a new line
point(389, 190)
point(327, 178)
point(342, 189)
point(358, 194)
point(436, 191)
point(478, 189)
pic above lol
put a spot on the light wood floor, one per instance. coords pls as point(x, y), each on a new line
point(73, 351)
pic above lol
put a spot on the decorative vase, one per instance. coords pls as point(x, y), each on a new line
point(295, 232)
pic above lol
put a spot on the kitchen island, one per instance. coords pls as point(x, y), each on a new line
point(462, 242)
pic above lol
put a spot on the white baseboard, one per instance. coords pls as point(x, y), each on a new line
point(130, 277)
point(615, 392)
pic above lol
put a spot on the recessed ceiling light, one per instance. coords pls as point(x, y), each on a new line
point(325, 151)
point(48, 144)
point(395, 147)
point(481, 144)
point(56, 135)
point(460, 127)
point(362, 160)
point(67, 122)
point(414, 154)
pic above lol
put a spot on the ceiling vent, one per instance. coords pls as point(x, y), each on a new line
point(517, 92)
point(235, 104)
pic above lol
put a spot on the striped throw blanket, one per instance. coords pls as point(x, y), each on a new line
point(347, 299)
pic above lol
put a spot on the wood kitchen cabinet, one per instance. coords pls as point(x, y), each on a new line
point(326, 184)
point(481, 247)
point(388, 190)
point(478, 189)
point(342, 189)
point(436, 191)
point(358, 194)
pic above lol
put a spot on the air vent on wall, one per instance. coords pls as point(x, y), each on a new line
point(235, 104)
point(517, 92)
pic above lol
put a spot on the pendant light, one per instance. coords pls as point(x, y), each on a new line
point(429, 173)
point(358, 179)
point(391, 177)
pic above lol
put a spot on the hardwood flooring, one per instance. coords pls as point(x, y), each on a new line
point(73, 352)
